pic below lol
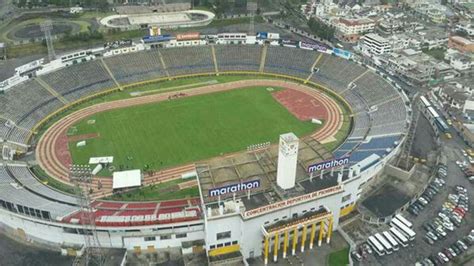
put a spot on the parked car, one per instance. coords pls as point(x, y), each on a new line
point(423, 201)
point(356, 256)
point(443, 257)
point(428, 240)
point(448, 254)
point(431, 235)
point(456, 249)
point(441, 231)
point(460, 243)
point(448, 226)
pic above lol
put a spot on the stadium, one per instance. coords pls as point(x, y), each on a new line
point(244, 148)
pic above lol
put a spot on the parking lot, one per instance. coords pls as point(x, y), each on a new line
point(419, 248)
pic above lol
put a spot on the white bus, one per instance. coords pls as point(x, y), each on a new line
point(385, 244)
point(404, 221)
point(399, 237)
point(403, 229)
point(425, 102)
point(391, 240)
point(376, 246)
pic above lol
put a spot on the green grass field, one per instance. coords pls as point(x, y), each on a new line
point(339, 258)
point(163, 191)
point(186, 130)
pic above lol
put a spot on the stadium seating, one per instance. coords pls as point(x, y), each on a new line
point(240, 58)
point(133, 67)
point(23, 175)
point(79, 80)
point(374, 89)
point(188, 60)
point(4, 128)
point(336, 72)
point(290, 61)
point(31, 204)
point(22, 99)
point(388, 128)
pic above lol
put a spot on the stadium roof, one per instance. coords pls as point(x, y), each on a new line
point(126, 179)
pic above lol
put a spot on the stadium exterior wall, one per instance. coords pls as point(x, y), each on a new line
point(247, 232)
point(54, 234)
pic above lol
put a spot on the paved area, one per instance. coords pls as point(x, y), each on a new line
point(13, 253)
point(386, 200)
point(419, 249)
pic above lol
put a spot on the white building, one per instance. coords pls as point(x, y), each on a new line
point(461, 62)
point(355, 26)
point(375, 44)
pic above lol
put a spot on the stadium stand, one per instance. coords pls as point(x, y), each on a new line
point(392, 111)
point(374, 89)
point(133, 67)
point(243, 58)
point(379, 143)
point(20, 133)
point(388, 128)
point(188, 60)
point(358, 104)
point(23, 175)
point(294, 62)
point(336, 73)
point(17, 199)
point(79, 80)
point(25, 97)
point(4, 128)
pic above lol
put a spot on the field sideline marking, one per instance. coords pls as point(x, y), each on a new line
point(51, 90)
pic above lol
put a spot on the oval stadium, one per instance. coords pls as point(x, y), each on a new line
point(240, 149)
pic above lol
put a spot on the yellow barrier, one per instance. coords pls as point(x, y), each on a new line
point(345, 211)
point(224, 250)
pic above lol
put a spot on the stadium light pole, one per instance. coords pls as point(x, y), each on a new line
point(81, 175)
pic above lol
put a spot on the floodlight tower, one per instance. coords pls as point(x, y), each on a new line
point(46, 27)
point(252, 9)
point(81, 175)
point(287, 160)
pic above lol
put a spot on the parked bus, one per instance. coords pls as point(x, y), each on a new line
point(441, 125)
point(433, 112)
point(404, 220)
point(384, 242)
point(425, 102)
point(401, 239)
point(391, 240)
point(376, 246)
point(403, 229)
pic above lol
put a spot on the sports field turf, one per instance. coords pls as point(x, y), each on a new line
point(185, 130)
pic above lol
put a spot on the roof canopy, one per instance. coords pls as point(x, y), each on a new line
point(125, 179)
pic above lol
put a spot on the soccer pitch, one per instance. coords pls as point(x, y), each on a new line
point(186, 130)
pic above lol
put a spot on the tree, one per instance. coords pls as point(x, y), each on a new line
point(321, 30)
